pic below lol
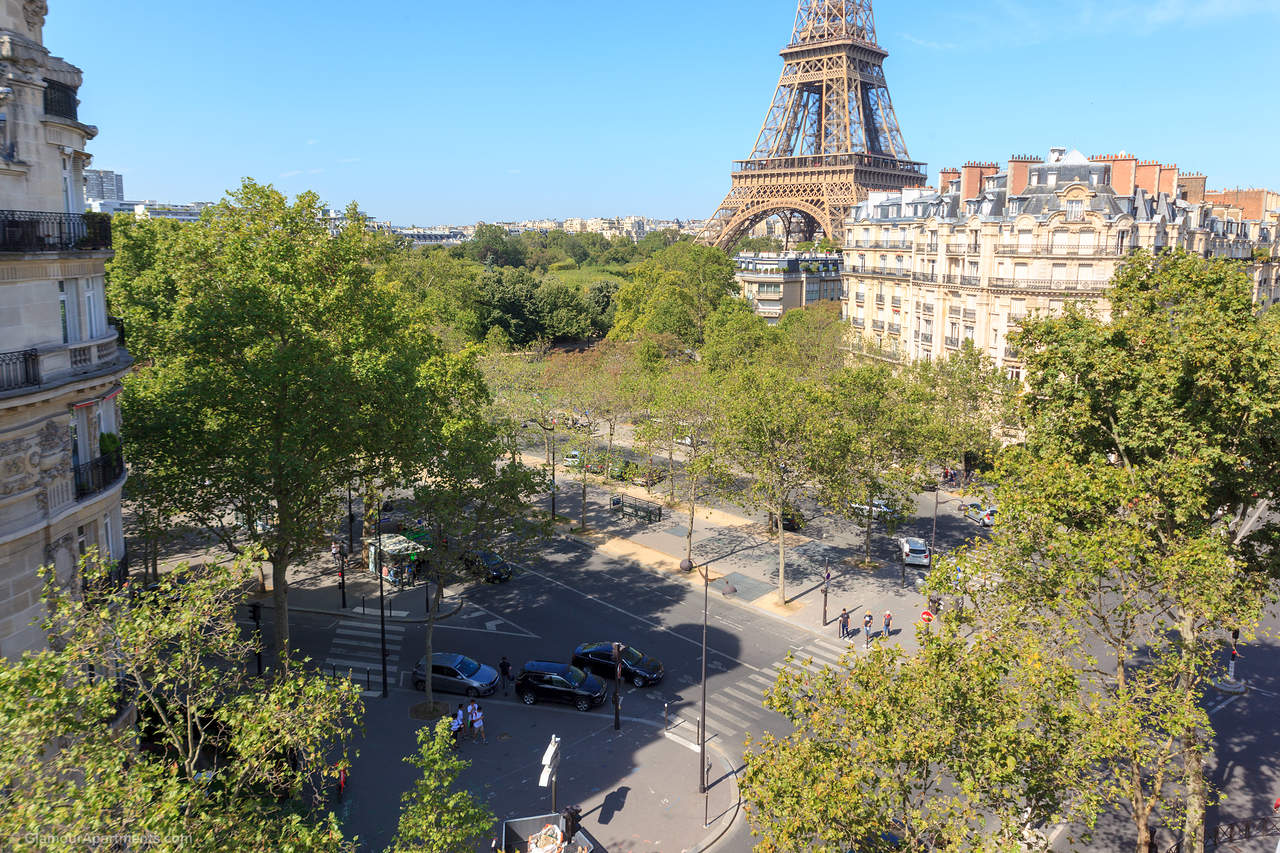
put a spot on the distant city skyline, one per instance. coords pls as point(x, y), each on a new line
point(432, 114)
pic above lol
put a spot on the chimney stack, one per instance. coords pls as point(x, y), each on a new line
point(945, 177)
point(972, 176)
point(1124, 171)
point(1020, 172)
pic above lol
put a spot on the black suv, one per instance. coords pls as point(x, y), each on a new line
point(559, 682)
point(637, 667)
point(490, 567)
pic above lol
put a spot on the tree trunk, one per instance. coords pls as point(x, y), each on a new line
point(1197, 793)
point(280, 598)
point(608, 454)
point(582, 521)
point(782, 559)
point(871, 516)
point(671, 472)
point(688, 536)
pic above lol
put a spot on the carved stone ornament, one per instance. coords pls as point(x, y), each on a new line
point(51, 550)
point(34, 11)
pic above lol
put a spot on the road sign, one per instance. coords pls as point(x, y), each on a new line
point(926, 617)
point(550, 762)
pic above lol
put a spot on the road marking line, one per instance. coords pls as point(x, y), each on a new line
point(1263, 692)
point(746, 697)
point(1224, 703)
point(760, 678)
point(358, 665)
point(358, 649)
point(501, 618)
point(353, 625)
point(366, 637)
point(447, 626)
point(648, 622)
point(719, 713)
point(686, 744)
point(820, 657)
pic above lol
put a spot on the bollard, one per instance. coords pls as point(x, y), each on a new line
point(362, 608)
point(368, 685)
point(664, 716)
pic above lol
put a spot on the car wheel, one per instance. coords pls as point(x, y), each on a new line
point(638, 680)
point(528, 698)
point(419, 685)
point(472, 693)
point(583, 704)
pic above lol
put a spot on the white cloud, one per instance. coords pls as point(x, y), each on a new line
point(312, 141)
point(349, 160)
point(314, 171)
point(513, 171)
point(291, 173)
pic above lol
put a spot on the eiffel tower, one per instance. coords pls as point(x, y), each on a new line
point(829, 137)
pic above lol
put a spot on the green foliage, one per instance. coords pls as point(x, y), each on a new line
point(228, 761)
point(140, 285)
point(491, 245)
point(734, 336)
point(436, 818)
point(958, 747)
point(756, 244)
point(672, 293)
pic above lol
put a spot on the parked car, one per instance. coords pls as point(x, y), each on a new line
point(985, 516)
point(455, 673)
point(791, 522)
point(637, 667)
point(558, 682)
point(879, 510)
point(599, 464)
point(915, 551)
point(622, 470)
point(491, 567)
point(572, 459)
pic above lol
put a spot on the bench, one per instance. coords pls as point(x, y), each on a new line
point(637, 508)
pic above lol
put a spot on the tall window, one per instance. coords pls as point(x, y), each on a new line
point(62, 311)
point(1075, 209)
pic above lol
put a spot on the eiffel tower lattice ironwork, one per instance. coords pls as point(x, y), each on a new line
point(829, 137)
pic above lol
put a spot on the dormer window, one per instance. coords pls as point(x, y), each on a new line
point(1075, 209)
point(971, 207)
point(1053, 179)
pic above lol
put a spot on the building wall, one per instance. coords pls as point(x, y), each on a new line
point(925, 271)
point(775, 283)
point(62, 363)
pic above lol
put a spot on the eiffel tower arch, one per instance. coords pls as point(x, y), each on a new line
point(829, 136)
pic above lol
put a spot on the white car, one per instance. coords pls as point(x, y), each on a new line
point(915, 552)
point(572, 459)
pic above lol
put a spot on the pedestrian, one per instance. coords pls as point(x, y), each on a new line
point(477, 724)
point(471, 716)
point(935, 603)
point(504, 673)
point(866, 629)
point(336, 550)
point(888, 624)
point(456, 724)
point(844, 623)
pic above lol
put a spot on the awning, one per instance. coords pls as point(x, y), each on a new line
point(395, 545)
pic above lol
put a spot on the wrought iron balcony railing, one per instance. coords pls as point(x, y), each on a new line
point(954, 343)
point(60, 100)
point(896, 301)
point(19, 369)
point(929, 277)
point(99, 474)
point(970, 314)
point(38, 231)
point(895, 329)
point(878, 325)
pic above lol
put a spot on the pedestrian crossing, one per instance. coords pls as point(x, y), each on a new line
point(356, 651)
point(734, 710)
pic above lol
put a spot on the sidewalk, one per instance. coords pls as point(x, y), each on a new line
point(637, 789)
point(743, 560)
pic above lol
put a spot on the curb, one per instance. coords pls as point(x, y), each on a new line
point(1231, 687)
point(709, 840)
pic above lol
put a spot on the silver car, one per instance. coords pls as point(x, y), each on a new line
point(455, 673)
point(915, 552)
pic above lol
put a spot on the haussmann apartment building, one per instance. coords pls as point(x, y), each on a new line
point(61, 361)
point(927, 269)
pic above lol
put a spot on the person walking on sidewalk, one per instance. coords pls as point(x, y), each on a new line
point(456, 725)
point(844, 623)
point(888, 624)
point(477, 724)
point(866, 630)
point(504, 673)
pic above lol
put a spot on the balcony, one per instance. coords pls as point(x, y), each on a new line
point(860, 298)
point(880, 299)
point(60, 100)
point(896, 301)
point(97, 475)
point(964, 248)
point(37, 231)
point(1078, 250)
point(1012, 352)
point(858, 322)
point(970, 314)
point(877, 325)
point(895, 329)
point(885, 271)
point(965, 280)
point(19, 369)
point(900, 245)
point(953, 343)
point(927, 307)
point(926, 247)
point(1017, 319)
point(926, 277)
point(1047, 284)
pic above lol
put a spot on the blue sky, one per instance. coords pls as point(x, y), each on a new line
point(434, 112)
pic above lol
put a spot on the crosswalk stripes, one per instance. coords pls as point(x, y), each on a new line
point(357, 647)
point(732, 710)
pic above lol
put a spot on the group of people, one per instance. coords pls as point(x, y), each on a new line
point(470, 716)
point(847, 633)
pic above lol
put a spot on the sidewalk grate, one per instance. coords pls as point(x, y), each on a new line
point(749, 589)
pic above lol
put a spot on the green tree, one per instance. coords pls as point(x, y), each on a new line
point(962, 746)
point(435, 817)
point(562, 310)
point(284, 367)
point(141, 288)
point(491, 245)
point(735, 335)
point(756, 244)
point(447, 290)
point(1136, 512)
point(227, 761)
point(673, 292)
point(509, 300)
point(769, 420)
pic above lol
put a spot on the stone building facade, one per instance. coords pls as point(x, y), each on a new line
point(775, 283)
point(61, 471)
point(925, 270)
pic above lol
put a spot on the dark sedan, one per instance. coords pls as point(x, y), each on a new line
point(637, 667)
point(490, 567)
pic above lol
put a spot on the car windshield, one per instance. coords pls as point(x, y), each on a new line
point(490, 559)
point(631, 656)
point(575, 676)
point(918, 549)
point(467, 667)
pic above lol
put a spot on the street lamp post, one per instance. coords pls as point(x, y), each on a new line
point(687, 565)
point(382, 610)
